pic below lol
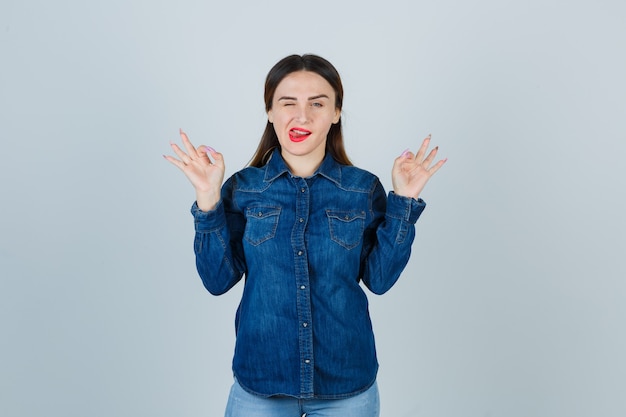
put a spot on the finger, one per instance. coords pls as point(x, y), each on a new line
point(174, 161)
point(436, 167)
point(400, 163)
point(191, 150)
point(430, 157)
point(210, 155)
point(203, 152)
point(179, 152)
point(218, 158)
point(423, 148)
point(406, 154)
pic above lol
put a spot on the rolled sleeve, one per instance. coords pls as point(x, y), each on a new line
point(208, 221)
point(404, 208)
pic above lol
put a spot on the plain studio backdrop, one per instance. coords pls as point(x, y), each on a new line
point(514, 301)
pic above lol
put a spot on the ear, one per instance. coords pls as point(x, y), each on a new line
point(270, 116)
point(337, 116)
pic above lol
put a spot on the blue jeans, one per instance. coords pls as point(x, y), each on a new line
point(243, 404)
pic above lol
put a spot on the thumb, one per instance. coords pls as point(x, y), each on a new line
point(208, 151)
point(397, 163)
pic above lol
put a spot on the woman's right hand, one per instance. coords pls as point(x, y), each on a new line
point(205, 175)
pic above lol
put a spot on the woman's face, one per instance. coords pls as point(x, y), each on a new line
point(303, 110)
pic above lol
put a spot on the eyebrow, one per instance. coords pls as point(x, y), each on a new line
point(310, 98)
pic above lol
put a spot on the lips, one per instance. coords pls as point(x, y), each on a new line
point(298, 135)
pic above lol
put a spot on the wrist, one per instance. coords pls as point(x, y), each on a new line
point(207, 201)
point(403, 193)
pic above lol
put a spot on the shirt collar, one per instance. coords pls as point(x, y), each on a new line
point(276, 166)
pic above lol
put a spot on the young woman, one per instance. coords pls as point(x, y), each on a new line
point(305, 227)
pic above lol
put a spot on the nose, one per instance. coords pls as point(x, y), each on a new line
point(303, 114)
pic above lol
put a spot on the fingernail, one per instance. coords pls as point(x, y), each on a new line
point(437, 147)
point(209, 149)
point(429, 135)
point(405, 152)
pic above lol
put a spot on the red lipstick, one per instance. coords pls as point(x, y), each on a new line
point(298, 134)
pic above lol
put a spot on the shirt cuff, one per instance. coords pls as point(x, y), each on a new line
point(405, 208)
point(207, 221)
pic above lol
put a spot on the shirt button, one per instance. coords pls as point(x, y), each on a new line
point(307, 361)
point(302, 190)
point(299, 252)
point(302, 287)
point(301, 219)
point(305, 324)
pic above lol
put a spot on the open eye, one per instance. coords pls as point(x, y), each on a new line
point(317, 104)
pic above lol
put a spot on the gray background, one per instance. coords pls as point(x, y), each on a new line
point(513, 303)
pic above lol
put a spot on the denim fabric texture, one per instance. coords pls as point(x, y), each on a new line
point(243, 404)
point(304, 245)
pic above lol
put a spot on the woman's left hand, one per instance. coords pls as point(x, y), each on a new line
point(410, 172)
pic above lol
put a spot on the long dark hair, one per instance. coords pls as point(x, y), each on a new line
point(284, 67)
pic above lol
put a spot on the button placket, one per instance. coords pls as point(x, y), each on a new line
point(305, 334)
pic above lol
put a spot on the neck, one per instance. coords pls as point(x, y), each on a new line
point(303, 166)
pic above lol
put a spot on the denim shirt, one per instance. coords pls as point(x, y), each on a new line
point(304, 245)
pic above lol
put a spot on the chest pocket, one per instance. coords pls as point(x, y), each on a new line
point(261, 224)
point(346, 227)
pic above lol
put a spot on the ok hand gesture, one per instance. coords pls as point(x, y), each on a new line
point(410, 172)
point(205, 175)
